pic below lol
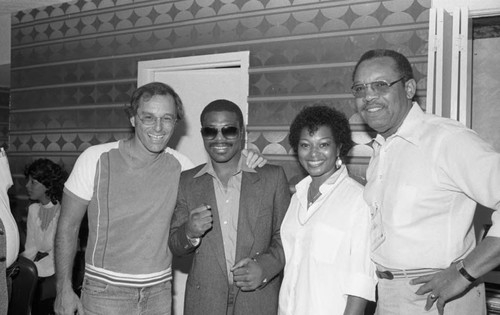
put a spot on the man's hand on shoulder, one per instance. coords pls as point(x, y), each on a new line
point(254, 158)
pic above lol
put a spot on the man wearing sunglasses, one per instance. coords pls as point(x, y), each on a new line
point(128, 188)
point(229, 216)
point(424, 180)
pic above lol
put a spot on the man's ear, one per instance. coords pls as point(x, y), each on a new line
point(410, 88)
point(132, 121)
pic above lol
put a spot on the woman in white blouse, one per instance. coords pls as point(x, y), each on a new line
point(326, 229)
point(45, 186)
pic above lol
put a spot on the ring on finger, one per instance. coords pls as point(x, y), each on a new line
point(433, 296)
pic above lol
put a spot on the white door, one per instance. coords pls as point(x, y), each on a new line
point(198, 80)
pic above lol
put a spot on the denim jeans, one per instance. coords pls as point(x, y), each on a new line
point(397, 297)
point(100, 298)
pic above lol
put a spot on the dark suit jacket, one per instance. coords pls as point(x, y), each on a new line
point(264, 199)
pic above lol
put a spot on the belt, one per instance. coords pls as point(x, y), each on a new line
point(405, 273)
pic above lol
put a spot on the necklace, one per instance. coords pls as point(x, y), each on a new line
point(311, 199)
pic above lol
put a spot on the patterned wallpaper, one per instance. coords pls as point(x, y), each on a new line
point(74, 65)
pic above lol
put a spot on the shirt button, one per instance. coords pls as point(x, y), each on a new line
point(225, 222)
point(227, 201)
point(1, 232)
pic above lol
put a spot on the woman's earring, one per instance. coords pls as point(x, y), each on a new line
point(338, 162)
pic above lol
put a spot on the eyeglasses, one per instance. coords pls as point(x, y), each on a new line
point(379, 87)
point(150, 120)
point(228, 132)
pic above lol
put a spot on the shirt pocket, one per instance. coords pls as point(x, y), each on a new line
point(325, 243)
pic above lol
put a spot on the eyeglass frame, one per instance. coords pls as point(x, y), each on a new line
point(155, 120)
point(376, 90)
point(222, 130)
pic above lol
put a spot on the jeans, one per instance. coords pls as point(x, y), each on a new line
point(397, 297)
point(100, 298)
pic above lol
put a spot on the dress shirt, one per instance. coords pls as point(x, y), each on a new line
point(423, 185)
point(228, 204)
point(327, 248)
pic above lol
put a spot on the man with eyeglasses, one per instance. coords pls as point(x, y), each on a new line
point(229, 216)
point(129, 189)
point(424, 180)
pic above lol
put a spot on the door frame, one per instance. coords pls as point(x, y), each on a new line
point(147, 70)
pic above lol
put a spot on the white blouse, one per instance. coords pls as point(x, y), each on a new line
point(41, 240)
point(327, 248)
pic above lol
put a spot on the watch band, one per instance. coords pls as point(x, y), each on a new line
point(463, 272)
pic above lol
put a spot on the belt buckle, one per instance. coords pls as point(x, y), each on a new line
point(384, 274)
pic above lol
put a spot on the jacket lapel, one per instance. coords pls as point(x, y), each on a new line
point(250, 204)
point(213, 238)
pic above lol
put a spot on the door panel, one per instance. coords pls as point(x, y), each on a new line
point(197, 88)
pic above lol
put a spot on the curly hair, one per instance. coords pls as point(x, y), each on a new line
point(147, 91)
point(315, 116)
point(49, 174)
point(222, 105)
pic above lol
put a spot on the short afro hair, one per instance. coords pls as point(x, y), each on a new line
point(222, 105)
point(316, 116)
point(403, 66)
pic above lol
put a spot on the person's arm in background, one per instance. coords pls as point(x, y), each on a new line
point(72, 212)
point(355, 305)
point(30, 249)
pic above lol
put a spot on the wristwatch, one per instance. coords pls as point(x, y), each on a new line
point(463, 272)
point(195, 241)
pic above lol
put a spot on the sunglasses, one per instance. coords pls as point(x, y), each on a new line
point(379, 87)
point(228, 132)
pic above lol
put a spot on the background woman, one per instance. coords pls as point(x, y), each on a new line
point(325, 232)
point(45, 186)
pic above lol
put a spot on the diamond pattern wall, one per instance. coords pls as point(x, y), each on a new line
point(74, 65)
